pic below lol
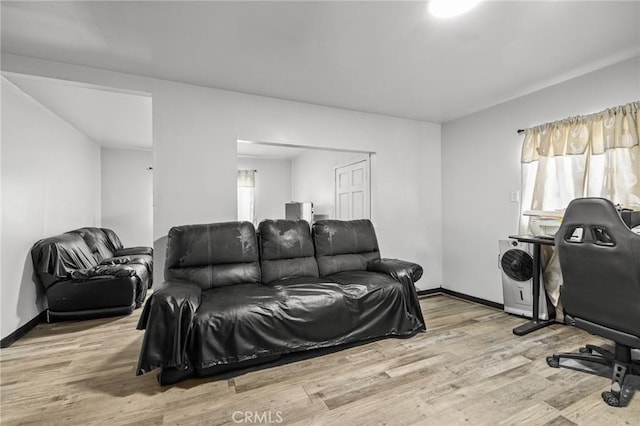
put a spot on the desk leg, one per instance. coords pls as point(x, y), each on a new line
point(536, 323)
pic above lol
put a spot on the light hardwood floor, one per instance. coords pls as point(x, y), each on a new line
point(467, 369)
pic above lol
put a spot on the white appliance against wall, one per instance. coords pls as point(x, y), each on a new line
point(353, 190)
point(297, 211)
point(516, 262)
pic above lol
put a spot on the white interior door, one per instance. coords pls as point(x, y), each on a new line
point(353, 191)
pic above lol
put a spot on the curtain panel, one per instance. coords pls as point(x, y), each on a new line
point(246, 178)
point(587, 156)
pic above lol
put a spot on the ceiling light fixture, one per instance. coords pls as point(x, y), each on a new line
point(450, 8)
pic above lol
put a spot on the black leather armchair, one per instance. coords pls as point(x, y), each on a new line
point(600, 262)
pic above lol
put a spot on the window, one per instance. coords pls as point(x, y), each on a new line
point(246, 196)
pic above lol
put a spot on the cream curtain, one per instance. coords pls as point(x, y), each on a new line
point(587, 156)
point(246, 196)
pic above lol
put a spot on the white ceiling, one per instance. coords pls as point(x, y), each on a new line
point(108, 117)
point(390, 58)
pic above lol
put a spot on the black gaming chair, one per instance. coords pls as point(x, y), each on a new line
point(600, 262)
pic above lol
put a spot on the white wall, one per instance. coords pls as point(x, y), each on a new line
point(312, 177)
point(195, 133)
point(481, 166)
point(127, 194)
point(197, 128)
point(50, 184)
point(273, 185)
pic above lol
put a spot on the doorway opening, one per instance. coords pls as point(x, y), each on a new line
point(286, 174)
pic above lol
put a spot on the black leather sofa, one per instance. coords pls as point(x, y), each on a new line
point(231, 299)
point(87, 273)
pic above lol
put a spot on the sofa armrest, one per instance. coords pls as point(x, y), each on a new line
point(130, 251)
point(166, 318)
point(396, 268)
point(407, 274)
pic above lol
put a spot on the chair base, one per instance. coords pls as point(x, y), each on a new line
point(620, 361)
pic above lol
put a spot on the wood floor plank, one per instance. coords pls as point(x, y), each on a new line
point(533, 415)
point(467, 368)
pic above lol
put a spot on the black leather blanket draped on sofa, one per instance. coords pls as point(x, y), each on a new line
point(87, 273)
point(230, 300)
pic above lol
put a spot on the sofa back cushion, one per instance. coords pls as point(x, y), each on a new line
point(344, 245)
point(113, 241)
point(97, 241)
point(54, 258)
point(286, 250)
point(213, 255)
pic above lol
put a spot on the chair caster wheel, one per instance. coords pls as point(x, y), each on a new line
point(611, 398)
point(553, 361)
point(585, 350)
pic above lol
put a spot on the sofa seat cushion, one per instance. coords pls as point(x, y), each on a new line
point(137, 259)
point(243, 322)
point(407, 310)
point(372, 280)
point(134, 270)
point(140, 259)
point(298, 280)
